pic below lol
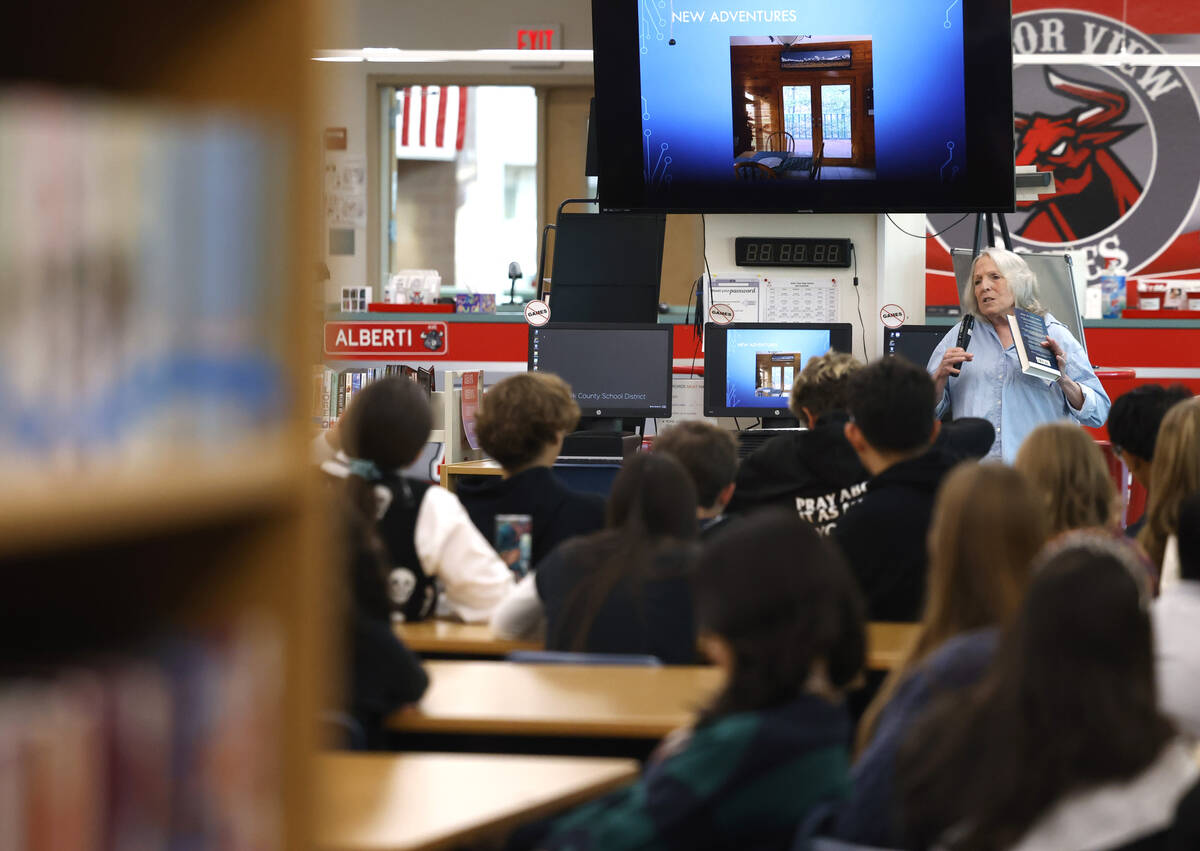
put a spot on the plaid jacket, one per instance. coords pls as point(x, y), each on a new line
point(745, 781)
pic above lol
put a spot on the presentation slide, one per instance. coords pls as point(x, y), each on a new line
point(761, 364)
point(855, 90)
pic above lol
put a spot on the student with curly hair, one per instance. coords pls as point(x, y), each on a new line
point(521, 423)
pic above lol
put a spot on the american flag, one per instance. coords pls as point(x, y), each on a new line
point(430, 122)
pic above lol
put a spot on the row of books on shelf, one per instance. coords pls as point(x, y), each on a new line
point(333, 390)
point(141, 271)
point(176, 747)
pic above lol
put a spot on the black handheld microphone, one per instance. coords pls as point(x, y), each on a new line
point(965, 330)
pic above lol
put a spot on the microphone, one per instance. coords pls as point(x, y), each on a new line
point(965, 330)
point(514, 275)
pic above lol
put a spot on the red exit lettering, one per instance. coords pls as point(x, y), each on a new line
point(535, 39)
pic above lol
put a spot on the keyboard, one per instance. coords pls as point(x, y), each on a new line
point(750, 440)
point(589, 459)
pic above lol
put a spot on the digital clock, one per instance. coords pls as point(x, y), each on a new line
point(782, 251)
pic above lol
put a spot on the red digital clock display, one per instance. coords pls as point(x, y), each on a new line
point(779, 251)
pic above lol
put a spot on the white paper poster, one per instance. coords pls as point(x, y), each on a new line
point(798, 301)
point(740, 294)
point(345, 191)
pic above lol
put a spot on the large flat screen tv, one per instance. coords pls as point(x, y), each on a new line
point(804, 105)
point(749, 367)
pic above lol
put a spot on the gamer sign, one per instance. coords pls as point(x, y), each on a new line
point(385, 339)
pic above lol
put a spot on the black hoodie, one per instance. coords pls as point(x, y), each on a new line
point(883, 536)
point(556, 511)
point(815, 471)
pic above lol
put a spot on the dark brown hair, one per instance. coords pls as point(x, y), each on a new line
point(1069, 704)
point(783, 599)
point(522, 415)
point(1174, 474)
point(708, 453)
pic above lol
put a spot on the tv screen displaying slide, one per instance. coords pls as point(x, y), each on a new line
point(749, 368)
point(854, 105)
point(614, 370)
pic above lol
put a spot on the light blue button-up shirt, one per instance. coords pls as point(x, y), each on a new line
point(992, 386)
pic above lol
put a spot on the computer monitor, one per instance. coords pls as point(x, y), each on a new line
point(915, 342)
point(749, 367)
point(616, 371)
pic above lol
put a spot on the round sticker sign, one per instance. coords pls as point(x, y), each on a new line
point(721, 314)
point(537, 312)
point(892, 315)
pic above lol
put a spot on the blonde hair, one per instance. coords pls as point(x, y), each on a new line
point(522, 415)
point(1016, 271)
point(821, 385)
point(1174, 475)
point(986, 529)
point(1067, 469)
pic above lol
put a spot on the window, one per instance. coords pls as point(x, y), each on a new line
point(462, 184)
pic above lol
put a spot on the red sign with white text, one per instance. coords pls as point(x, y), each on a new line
point(385, 339)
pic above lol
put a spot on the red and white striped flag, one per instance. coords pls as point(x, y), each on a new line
point(430, 122)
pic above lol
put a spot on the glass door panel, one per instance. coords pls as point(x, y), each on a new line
point(836, 109)
point(798, 117)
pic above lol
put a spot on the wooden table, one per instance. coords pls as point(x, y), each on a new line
point(373, 802)
point(451, 473)
point(596, 701)
point(453, 638)
point(887, 643)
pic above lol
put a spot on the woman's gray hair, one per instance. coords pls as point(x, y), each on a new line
point(1019, 276)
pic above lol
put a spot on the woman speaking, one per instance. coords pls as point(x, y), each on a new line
point(987, 380)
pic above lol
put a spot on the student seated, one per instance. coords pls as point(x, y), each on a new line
point(438, 562)
point(1177, 627)
point(780, 614)
point(891, 428)
point(815, 472)
point(625, 589)
point(1133, 425)
point(987, 528)
point(1068, 472)
point(1176, 474)
point(709, 455)
point(521, 423)
point(1061, 745)
point(382, 674)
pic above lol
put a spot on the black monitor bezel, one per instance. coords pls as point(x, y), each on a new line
point(622, 413)
point(841, 339)
point(899, 331)
point(988, 96)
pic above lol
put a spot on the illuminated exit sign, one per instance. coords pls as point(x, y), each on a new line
point(542, 37)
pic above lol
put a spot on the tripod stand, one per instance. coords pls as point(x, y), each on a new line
point(983, 220)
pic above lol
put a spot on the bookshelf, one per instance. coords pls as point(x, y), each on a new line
point(160, 530)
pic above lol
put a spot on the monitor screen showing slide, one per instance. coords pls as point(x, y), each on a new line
point(784, 105)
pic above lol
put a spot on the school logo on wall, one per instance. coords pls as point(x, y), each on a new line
point(1121, 142)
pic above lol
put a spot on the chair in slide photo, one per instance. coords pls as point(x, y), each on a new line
point(814, 170)
point(781, 141)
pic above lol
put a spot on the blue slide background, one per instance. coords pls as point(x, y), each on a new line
point(742, 344)
point(917, 55)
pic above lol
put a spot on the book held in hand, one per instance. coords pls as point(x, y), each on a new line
point(1028, 331)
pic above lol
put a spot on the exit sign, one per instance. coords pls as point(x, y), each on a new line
point(539, 37)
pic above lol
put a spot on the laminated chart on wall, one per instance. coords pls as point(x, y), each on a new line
point(798, 301)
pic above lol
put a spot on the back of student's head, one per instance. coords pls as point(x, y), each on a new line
point(783, 600)
point(1069, 703)
point(522, 415)
point(1068, 471)
point(821, 385)
point(1176, 474)
point(652, 497)
point(387, 423)
point(1135, 417)
point(891, 402)
point(1189, 537)
point(708, 453)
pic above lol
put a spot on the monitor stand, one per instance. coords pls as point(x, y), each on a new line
point(604, 437)
point(778, 423)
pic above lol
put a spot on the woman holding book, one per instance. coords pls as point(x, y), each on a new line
point(988, 381)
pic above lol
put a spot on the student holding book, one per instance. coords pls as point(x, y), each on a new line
point(780, 613)
point(986, 379)
point(625, 589)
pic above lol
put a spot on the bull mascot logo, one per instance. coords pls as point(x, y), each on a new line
point(1093, 188)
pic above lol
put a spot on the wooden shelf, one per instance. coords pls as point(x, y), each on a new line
point(37, 515)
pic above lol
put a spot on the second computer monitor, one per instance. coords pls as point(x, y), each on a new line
point(615, 370)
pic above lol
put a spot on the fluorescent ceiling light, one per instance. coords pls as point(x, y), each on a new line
point(1179, 60)
point(509, 57)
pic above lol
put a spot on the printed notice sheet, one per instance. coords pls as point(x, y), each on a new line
point(798, 301)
